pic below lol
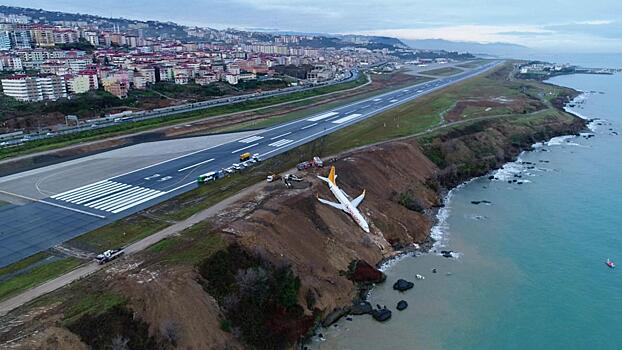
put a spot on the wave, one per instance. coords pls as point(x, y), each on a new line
point(579, 100)
point(562, 141)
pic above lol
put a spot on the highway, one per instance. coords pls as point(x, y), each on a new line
point(43, 223)
point(18, 138)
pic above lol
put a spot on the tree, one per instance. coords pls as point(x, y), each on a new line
point(119, 343)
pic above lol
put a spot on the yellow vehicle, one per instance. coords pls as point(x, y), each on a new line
point(245, 156)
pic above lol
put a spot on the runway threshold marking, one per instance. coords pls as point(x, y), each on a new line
point(196, 165)
point(243, 148)
point(52, 204)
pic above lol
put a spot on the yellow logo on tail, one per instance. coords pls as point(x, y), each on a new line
point(331, 175)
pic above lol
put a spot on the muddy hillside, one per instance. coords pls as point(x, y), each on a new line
point(264, 271)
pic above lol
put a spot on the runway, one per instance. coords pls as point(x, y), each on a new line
point(48, 221)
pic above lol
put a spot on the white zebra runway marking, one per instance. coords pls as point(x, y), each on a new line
point(322, 116)
point(251, 139)
point(281, 142)
point(346, 118)
point(110, 196)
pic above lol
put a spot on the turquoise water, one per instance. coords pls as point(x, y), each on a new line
point(531, 271)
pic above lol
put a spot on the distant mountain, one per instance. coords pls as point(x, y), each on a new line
point(383, 40)
point(490, 49)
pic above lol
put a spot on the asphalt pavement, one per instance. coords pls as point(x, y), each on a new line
point(30, 228)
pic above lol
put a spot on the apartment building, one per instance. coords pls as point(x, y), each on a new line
point(42, 36)
point(35, 88)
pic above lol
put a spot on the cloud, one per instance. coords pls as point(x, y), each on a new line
point(596, 22)
point(601, 28)
point(523, 34)
point(476, 33)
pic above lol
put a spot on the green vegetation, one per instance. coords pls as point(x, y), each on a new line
point(119, 233)
point(124, 128)
point(261, 299)
point(93, 303)
point(408, 119)
point(37, 276)
point(272, 120)
point(190, 246)
point(443, 72)
point(24, 263)
point(410, 201)
point(91, 103)
point(116, 328)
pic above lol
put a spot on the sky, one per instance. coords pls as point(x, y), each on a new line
point(551, 25)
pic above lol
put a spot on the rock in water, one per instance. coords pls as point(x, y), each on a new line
point(401, 305)
point(381, 315)
point(361, 308)
point(363, 272)
point(447, 253)
point(403, 285)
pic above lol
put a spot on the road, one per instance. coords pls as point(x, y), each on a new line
point(87, 269)
point(168, 111)
point(39, 225)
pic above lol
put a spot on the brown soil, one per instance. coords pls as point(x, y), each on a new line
point(290, 227)
point(172, 300)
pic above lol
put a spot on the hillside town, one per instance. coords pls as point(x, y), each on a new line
point(42, 59)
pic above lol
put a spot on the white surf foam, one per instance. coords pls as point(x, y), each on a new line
point(562, 141)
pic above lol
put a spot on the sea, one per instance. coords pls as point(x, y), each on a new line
point(529, 269)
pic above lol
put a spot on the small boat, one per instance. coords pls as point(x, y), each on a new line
point(610, 263)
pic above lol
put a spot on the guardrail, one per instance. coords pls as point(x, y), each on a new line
point(166, 111)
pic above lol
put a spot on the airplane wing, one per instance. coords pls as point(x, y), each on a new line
point(332, 204)
point(358, 200)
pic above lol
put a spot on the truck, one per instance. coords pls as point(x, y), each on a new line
point(273, 177)
point(108, 255)
point(245, 156)
point(317, 161)
point(304, 165)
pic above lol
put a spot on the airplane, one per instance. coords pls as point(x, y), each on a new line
point(344, 204)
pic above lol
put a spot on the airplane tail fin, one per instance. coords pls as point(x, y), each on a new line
point(331, 175)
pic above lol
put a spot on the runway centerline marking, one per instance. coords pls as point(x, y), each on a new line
point(278, 137)
point(243, 148)
point(196, 165)
point(308, 126)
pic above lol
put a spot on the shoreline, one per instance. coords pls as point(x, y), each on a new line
point(437, 234)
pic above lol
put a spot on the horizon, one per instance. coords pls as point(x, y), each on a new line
point(583, 29)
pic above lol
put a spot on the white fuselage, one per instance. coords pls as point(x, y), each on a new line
point(348, 207)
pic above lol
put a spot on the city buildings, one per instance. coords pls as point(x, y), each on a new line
point(35, 88)
point(135, 55)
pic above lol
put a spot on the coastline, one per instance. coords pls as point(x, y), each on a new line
point(437, 235)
